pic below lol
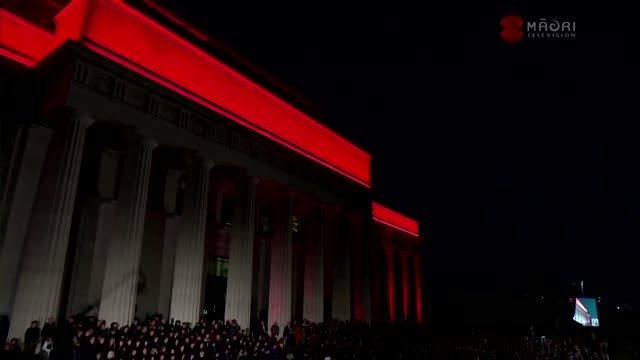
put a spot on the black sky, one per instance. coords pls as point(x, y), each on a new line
point(519, 160)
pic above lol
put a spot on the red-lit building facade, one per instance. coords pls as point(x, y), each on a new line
point(141, 175)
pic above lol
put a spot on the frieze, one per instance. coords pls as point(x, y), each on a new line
point(100, 81)
point(256, 152)
point(233, 140)
point(135, 96)
point(205, 124)
point(184, 118)
point(119, 89)
point(81, 73)
point(199, 126)
point(152, 105)
point(210, 128)
point(268, 157)
point(221, 135)
point(167, 111)
point(244, 146)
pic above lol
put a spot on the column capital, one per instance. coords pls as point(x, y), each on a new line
point(254, 180)
point(193, 159)
point(386, 235)
point(83, 118)
point(208, 164)
point(133, 138)
point(149, 142)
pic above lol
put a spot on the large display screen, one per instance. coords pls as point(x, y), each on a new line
point(586, 313)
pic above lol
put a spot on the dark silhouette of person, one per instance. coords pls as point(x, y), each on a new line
point(31, 337)
point(49, 329)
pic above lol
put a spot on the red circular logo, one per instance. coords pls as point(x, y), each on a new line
point(511, 28)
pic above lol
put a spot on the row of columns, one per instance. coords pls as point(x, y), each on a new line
point(408, 261)
point(37, 275)
point(281, 290)
point(34, 251)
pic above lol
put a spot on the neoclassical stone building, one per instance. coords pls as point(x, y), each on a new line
point(140, 175)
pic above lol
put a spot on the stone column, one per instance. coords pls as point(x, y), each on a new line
point(297, 276)
point(281, 275)
point(313, 307)
point(88, 269)
point(39, 282)
point(123, 256)
point(262, 273)
point(361, 306)
point(341, 302)
point(11, 134)
point(171, 228)
point(390, 282)
point(329, 235)
point(366, 277)
point(418, 285)
point(375, 263)
point(15, 210)
point(157, 261)
point(189, 263)
point(239, 281)
point(404, 273)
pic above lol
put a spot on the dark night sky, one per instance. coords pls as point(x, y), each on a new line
point(519, 160)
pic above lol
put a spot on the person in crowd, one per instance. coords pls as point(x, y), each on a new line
point(47, 348)
point(4, 328)
point(31, 337)
point(48, 330)
point(12, 346)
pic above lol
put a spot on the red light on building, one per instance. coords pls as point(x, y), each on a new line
point(391, 218)
point(131, 38)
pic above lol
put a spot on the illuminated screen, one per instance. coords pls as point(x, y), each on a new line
point(586, 313)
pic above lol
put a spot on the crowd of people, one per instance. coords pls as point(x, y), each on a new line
point(86, 338)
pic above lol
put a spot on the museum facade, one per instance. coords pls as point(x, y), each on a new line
point(141, 175)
